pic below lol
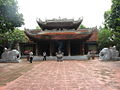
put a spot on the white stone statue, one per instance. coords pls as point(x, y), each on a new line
point(10, 56)
point(105, 54)
point(114, 52)
point(109, 54)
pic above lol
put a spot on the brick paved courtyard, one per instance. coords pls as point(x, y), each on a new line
point(70, 75)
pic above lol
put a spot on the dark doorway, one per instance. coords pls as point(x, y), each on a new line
point(76, 47)
point(60, 45)
point(1, 50)
point(44, 46)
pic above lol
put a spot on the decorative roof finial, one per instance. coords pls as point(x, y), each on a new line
point(59, 17)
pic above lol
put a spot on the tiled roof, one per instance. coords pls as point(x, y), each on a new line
point(62, 35)
point(94, 36)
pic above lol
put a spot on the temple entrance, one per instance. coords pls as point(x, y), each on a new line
point(68, 47)
point(51, 47)
point(76, 48)
point(43, 46)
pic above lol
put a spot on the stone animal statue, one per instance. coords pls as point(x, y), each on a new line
point(109, 54)
point(105, 54)
point(114, 52)
point(11, 56)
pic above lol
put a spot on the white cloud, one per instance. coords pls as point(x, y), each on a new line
point(91, 10)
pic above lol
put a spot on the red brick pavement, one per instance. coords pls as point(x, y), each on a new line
point(70, 75)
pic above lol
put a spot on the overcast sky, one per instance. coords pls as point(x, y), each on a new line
point(92, 11)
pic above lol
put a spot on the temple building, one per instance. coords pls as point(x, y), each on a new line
point(60, 34)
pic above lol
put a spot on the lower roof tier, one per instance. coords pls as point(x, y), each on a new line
point(64, 35)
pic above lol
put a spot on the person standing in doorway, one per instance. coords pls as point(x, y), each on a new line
point(92, 53)
point(89, 54)
point(44, 56)
point(31, 56)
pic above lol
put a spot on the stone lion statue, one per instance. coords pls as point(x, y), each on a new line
point(114, 52)
point(108, 53)
point(11, 56)
point(105, 54)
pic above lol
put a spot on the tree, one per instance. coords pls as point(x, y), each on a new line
point(82, 26)
point(114, 18)
point(107, 18)
point(104, 38)
point(9, 16)
point(112, 21)
point(16, 36)
point(11, 38)
point(115, 24)
point(38, 28)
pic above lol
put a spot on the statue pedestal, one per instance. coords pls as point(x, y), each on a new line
point(116, 58)
point(9, 61)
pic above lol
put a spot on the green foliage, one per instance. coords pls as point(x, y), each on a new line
point(112, 21)
point(16, 36)
point(37, 27)
point(104, 38)
point(115, 22)
point(107, 18)
point(12, 37)
point(82, 26)
point(116, 38)
point(9, 16)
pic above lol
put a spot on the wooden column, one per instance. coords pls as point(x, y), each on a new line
point(50, 48)
point(36, 49)
point(83, 49)
point(69, 48)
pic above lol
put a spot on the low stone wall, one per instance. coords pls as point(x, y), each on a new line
point(83, 57)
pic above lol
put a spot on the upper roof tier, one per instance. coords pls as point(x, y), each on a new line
point(59, 24)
